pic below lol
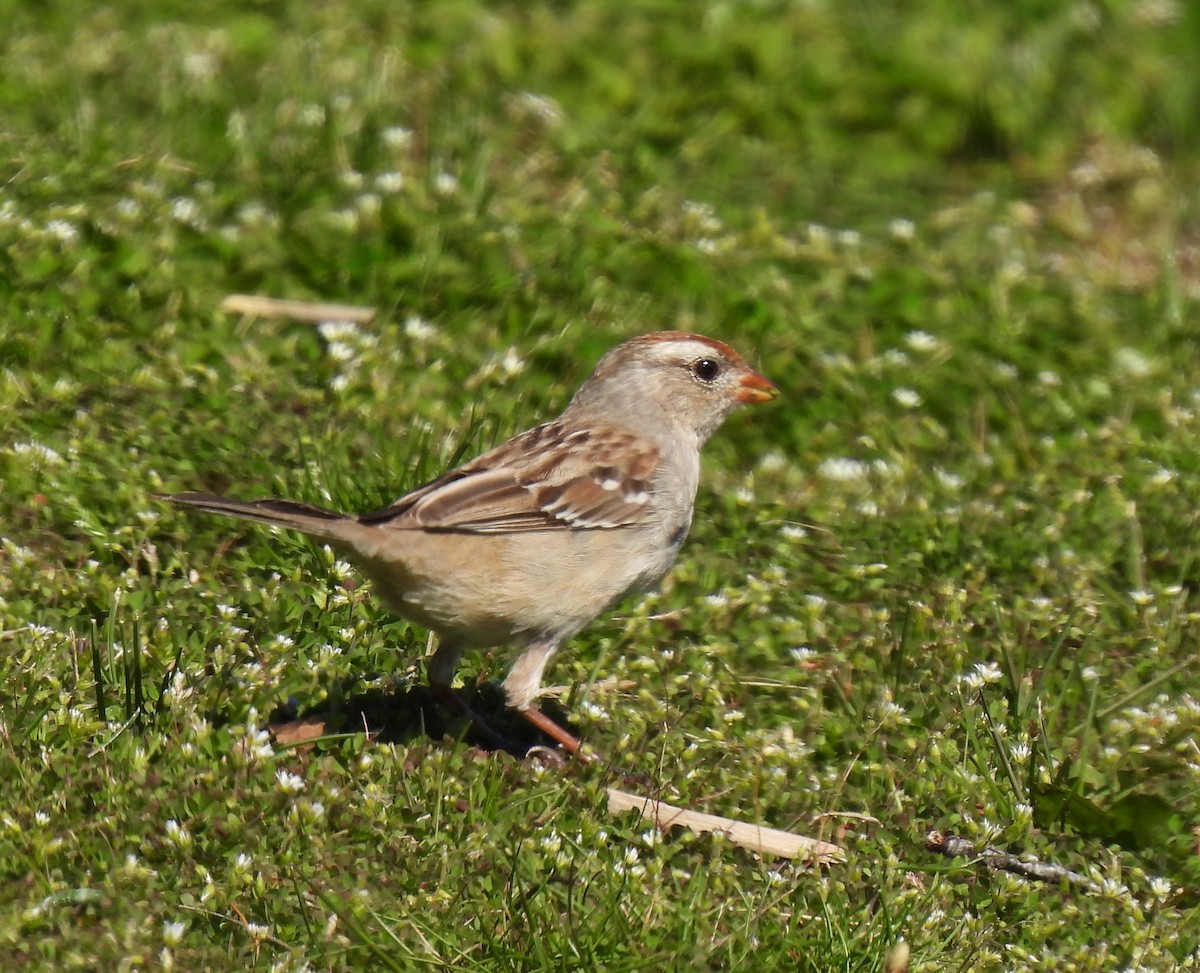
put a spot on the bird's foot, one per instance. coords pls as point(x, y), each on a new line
point(567, 740)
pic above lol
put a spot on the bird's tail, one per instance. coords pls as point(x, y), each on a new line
point(314, 521)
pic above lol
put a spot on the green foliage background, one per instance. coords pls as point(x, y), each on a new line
point(948, 582)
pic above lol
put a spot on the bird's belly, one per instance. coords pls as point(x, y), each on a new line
point(507, 588)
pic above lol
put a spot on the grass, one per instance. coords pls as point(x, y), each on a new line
point(948, 582)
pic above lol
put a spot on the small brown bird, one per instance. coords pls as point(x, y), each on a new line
point(529, 542)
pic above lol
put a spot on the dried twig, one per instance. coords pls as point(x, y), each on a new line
point(953, 846)
point(274, 307)
point(767, 841)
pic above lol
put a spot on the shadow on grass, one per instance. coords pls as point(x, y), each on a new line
point(405, 714)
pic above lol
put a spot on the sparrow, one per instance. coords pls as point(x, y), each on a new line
point(526, 544)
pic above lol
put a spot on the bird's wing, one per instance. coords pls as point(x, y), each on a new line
point(548, 478)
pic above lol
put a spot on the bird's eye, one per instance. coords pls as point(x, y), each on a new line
point(706, 370)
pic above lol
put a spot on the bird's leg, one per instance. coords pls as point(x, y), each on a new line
point(521, 688)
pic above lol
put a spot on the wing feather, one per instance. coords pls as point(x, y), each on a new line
point(548, 478)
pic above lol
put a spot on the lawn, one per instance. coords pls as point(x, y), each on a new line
point(947, 582)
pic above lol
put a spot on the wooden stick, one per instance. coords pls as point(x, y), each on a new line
point(756, 837)
point(275, 307)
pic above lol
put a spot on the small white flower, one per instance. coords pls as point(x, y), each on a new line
point(951, 481)
point(702, 215)
point(921, 341)
point(185, 210)
point(236, 127)
point(1142, 598)
point(62, 231)
point(289, 783)
point(982, 675)
point(339, 351)
point(512, 363)
point(256, 744)
point(989, 830)
point(989, 672)
point(544, 108)
point(397, 137)
point(338, 331)
point(128, 209)
point(368, 204)
point(389, 182)
point(173, 932)
point(818, 234)
point(444, 183)
point(177, 834)
point(906, 397)
point(257, 931)
point(343, 219)
point(199, 66)
point(901, 229)
point(1160, 888)
point(1113, 888)
point(1131, 363)
point(418, 329)
point(311, 115)
point(839, 469)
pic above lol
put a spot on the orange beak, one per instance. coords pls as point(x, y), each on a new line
point(755, 388)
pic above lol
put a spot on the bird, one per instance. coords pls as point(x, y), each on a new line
point(528, 543)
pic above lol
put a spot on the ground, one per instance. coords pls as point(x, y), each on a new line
point(946, 583)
